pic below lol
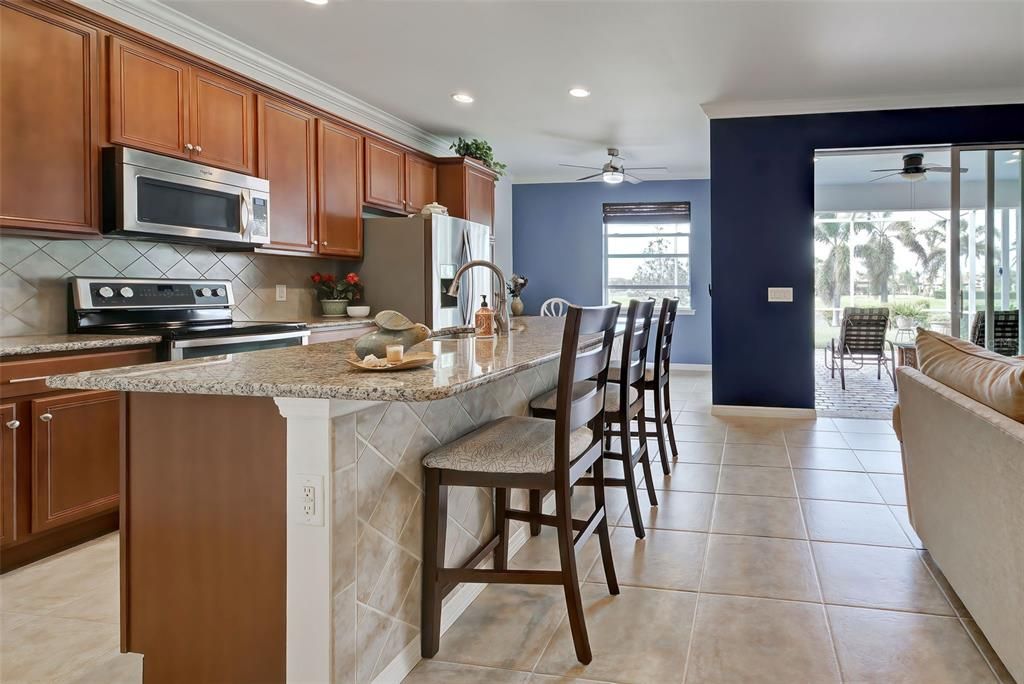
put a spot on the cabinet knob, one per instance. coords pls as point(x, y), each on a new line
point(199, 148)
point(317, 243)
point(324, 243)
point(46, 417)
point(14, 424)
point(189, 146)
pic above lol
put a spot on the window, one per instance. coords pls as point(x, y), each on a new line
point(647, 251)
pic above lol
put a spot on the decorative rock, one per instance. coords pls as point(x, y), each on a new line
point(394, 329)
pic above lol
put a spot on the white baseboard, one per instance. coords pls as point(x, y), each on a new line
point(762, 411)
point(690, 366)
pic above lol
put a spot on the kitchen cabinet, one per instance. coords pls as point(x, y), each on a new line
point(287, 156)
point(466, 188)
point(420, 183)
point(49, 90)
point(9, 425)
point(385, 175)
point(76, 456)
point(339, 192)
point(164, 105)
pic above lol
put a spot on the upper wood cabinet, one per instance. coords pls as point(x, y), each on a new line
point(420, 183)
point(161, 104)
point(76, 456)
point(8, 429)
point(466, 188)
point(49, 88)
point(339, 192)
point(385, 175)
point(287, 156)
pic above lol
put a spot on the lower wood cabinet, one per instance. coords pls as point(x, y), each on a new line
point(9, 425)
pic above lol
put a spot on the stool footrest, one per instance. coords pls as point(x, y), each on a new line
point(456, 576)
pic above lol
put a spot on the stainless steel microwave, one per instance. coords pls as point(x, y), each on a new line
point(152, 196)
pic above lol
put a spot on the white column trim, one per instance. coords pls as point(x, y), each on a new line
point(762, 411)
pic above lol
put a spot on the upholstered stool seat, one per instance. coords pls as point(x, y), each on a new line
point(614, 373)
point(513, 444)
point(546, 402)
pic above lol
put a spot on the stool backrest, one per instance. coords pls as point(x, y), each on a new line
point(582, 376)
point(663, 338)
point(556, 306)
point(635, 340)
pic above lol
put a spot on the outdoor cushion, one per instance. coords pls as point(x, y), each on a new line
point(513, 444)
point(546, 401)
point(994, 380)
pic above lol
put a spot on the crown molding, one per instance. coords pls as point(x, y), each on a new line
point(740, 109)
point(176, 28)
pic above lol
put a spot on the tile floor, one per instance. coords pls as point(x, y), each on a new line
point(780, 552)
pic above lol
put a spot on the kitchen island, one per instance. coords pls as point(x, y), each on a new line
point(272, 502)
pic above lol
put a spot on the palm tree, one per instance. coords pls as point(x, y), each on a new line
point(929, 246)
point(834, 272)
point(878, 253)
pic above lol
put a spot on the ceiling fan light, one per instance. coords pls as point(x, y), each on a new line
point(612, 177)
point(913, 177)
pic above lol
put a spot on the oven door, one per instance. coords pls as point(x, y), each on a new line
point(236, 344)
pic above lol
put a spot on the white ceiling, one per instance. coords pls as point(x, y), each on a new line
point(650, 65)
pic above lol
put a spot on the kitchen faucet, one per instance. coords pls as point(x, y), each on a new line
point(501, 315)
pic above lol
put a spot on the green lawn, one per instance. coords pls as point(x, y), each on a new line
point(824, 331)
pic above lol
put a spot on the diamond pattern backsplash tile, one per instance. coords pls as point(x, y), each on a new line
point(34, 273)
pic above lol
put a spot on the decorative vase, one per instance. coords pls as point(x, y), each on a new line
point(334, 307)
point(394, 328)
point(517, 305)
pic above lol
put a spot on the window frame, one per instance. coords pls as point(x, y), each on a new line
point(652, 220)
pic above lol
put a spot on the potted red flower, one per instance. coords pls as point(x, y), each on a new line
point(335, 294)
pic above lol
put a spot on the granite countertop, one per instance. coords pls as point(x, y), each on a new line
point(319, 371)
point(315, 322)
point(45, 344)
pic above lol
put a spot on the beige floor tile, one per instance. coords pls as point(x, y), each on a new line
point(738, 434)
point(759, 516)
point(756, 480)
point(860, 425)
point(820, 458)
point(877, 577)
point(46, 649)
point(539, 678)
point(614, 500)
point(685, 477)
point(881, 461)
point(638, 637)
point(815, 438)
point(113, 668)
point(507, 626)
point(836, 485)
point(755, 455)
point(855, 523)
point(947, 589)
point(891, 488)
point(541, 553)
point(664, 559)
point(708, 434)
point(819, 424)
point(696, 418)
point(869, 442)
point(698, 452)
point(742, 639)
point(886, 646)
point(760, 566)
point(686, 511)
point(903, 518)
point(439, 672)
point(1001, 673)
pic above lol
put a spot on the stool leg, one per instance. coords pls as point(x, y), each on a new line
point(501, 526)
point(535, 507)
point(659, 427)
point(435, 527)
point(570, 581)
point(645, 460)
point(603, 534)
point(626, 449)
point(669, 425)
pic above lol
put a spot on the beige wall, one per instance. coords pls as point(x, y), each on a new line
point(34, 272)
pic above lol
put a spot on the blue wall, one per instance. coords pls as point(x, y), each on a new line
point(557, 242)
point(762, 209)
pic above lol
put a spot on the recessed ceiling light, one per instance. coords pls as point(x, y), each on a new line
point(462, 98)
point(317, 2)
point(579, 92)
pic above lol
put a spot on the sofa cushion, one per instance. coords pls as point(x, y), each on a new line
point(991, 379)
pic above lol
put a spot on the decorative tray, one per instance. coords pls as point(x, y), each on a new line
point(411, 360)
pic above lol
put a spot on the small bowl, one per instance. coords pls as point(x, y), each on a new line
point(358, 311)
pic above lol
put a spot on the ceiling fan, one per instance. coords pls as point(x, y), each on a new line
point(914, 169)
point(614, 171)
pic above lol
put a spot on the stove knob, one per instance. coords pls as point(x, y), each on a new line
point(218, 292)
point(106, 292)
point(127, 292)
point(205, 292)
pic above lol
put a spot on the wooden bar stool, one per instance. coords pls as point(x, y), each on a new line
point(624, 403)
point(535, 454)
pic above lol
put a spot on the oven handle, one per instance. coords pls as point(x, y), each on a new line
point(239, 339)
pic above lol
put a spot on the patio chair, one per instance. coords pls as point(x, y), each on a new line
point(862, 340)
point(1005, 332)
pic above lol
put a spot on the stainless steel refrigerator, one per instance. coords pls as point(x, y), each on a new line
point(409, 263)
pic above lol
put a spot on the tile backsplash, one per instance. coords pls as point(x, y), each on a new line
point(34, 273)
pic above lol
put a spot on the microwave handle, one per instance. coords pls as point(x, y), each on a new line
point(244, 213)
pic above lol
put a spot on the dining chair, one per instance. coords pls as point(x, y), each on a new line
point(556, 306)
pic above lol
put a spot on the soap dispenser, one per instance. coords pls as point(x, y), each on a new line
point(484, 319)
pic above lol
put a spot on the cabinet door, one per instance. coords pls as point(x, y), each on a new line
point(384, 175)
point(339, 166)
point(222, 122)
point(48, 88)
point(149, 105)
point(420, 182)
point(287, 149)
point(480, 197)
point(76, 456)
point(8, 426)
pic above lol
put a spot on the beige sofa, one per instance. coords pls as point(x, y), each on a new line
point(964, 467)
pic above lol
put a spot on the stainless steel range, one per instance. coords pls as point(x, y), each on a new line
point(193, 316)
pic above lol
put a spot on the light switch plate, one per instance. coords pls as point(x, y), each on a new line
point(281, 293)
point(780, 294)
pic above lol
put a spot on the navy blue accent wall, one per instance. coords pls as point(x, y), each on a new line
point(762, 210)
point(557, 242)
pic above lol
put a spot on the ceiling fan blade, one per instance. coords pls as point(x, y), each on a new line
point(596, 175)
point(577, 166)
point(883, 170)
point(630, 178)
point(898, 173)
point(648, 168)
point(944, 169)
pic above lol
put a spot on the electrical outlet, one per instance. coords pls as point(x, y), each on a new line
point(310, 500)
point(281, 293)
point(780, 294)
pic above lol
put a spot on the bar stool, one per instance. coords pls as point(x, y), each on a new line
point(656, 381)
point(624, 403)
point(534, 454)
